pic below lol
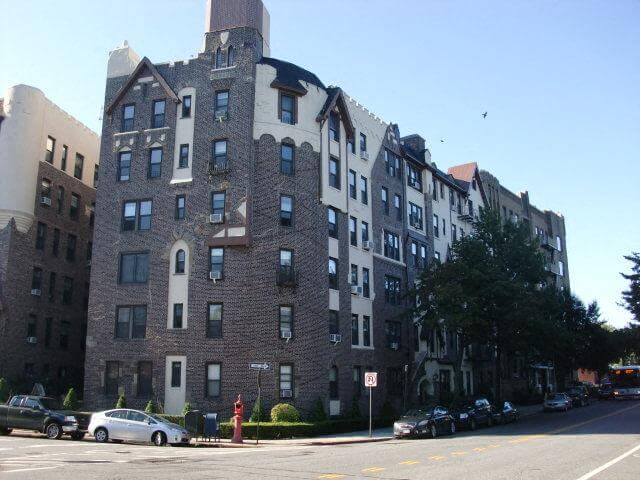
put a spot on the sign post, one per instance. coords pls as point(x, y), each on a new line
point(370, 380)
point(259, 367)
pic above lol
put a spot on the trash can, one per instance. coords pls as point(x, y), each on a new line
point(193, 423)
point(211, 428)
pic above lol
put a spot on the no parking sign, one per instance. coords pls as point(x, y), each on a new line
point(371, 379)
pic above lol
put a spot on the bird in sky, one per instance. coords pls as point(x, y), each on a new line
point(484, 115)
point(442, 140)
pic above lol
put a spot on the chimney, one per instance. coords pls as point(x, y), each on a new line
point(415, 142)
point(224, 15)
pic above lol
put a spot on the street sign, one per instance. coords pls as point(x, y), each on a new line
point(371, 379)
point(259, 366)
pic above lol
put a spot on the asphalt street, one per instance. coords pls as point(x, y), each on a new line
point(601, 441)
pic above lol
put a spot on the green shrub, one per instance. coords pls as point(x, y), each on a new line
point(355, 409)
point(187, 408)
point(151, 407)
point(4, 390)
point(284, 412)
point(258, 413)
point(71, 400)
point(122, 402)
point(318, 414)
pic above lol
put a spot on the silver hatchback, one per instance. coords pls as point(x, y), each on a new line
point(135, 426)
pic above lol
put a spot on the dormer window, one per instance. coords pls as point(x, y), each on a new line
point(287, 108)
point(334, 127)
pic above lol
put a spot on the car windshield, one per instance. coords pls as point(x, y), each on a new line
point(418, 412)
point(574, 391)
point(50, 403)
point(557, 396)
point(158, 418)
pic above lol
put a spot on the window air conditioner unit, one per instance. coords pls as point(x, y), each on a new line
point(221, 115)
point(45, 201)
point(32, 340)
point(364, 155)
point(367, 245)
point(286, 394)
point(36, 292)
point(416, 225)
point(286, 334)
point(215, 276)
point(356, 290)
point(216, 218)
point(395, 346)
point(335, 337)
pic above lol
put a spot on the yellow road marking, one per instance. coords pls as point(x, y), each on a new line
point(332, 475)
point(437, 457)
point(479, 449)
point(409, 462)
point(457, 454)
point(373, 469)
point(494, 446)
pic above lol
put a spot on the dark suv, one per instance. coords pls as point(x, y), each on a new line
point(471, 414)
point(579, 395)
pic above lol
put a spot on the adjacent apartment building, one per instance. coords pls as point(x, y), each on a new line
point(248, 213)
point(49, 167)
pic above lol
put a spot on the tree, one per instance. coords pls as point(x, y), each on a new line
point(631, 297)
point(70, 400)
point(151, 407)
point(187, 408)
point(4, 390)
point(122, 402)
point(258, 413)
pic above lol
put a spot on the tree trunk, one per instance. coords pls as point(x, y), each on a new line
point(497, 386)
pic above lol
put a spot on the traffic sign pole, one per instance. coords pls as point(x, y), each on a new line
point(370, 395)
point(371, 380)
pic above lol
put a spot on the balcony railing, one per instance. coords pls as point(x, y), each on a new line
point(218, 166)
point(287, 277)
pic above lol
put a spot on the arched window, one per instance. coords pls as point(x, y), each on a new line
point(180, 261)
point(231, 57)
point(333, 383)
point(219, 58)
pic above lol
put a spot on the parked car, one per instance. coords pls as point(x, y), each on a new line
point(136, 426)
point(473, 414)
point(41, 414)
point(431, 420)
point(605, 392)
point(556, 401)
point(507, 414)
point(579, 395)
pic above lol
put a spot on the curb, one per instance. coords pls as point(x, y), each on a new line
point(290, 442)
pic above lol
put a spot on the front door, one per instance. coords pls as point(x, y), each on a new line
point(175, 384)
point(32, 415)
point(138, 427)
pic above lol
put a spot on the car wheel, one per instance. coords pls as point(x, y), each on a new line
point(453, 428)
point(77, 436)
point(472, 424)
point(159, 439)
point(433, 431)
point(53, 431)
point(101, 435)
point(5, 431)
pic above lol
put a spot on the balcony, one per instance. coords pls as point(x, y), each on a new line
point(287, 277)
point(465, 216)
point(218, 166)
point(552, 268)
point(548, 243)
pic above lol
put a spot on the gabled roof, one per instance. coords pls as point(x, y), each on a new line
point(335, 98)
point(289, 75)
point(144, 63)
point(465, 174)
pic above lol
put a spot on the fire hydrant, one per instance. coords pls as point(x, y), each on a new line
point(238, 413)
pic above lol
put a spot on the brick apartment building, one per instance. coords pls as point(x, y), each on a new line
point(249, 213)
point(48, 161)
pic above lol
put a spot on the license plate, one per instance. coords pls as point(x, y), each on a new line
point(406, 430)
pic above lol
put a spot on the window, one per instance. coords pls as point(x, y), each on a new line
point(470, 207)
point(561, 268)
point(384, 196)
point(366, 331)
point(334, 172)
point(65, 153)
point(355, 329)
point(176, 374)
point(434, 192)
point(218, 200)
point(219, 161)
point(155, 162)
point(286, 272)
point(397, 203)
point(52, 286)
point(333, 383)
point(454, 233)
point(51, 148)
point(352, 185)
point(333, 273)
point(474, 184)
point(353, 236)
point(74, 207)
point(180, 261)
point(286, 210)
point(186, 106)
point(213, 379)
point(71, 248)
point(559, 243)
point(158, 114)
point(366, 289)
point(364, 231)
point(363, 142)
point(221, 61)
point(183, 160)
point(178, 308)
point(96, 169)
point(334, 127)
point(357, 381)
point(392, 332)
point(79, 165)
point(36, 279)
point(436, 255)
point(287, 108)
point(128, 115)
point(334, 323)
point(351, 145)
point(111, 378)
point(56, 242)
point(286, 381)
point(391, 290)
point(48, 326)
point(181, 208)
point(216, 262)
point(414, 254)
point(353, 277)
point(442, 190)
point(131, 321)
point(145, 375)
point(136, 215)
point(414, 177)
point(124, 166)
point(286, 319)
point(415, 216)
point(392, 163)
point(436, 225)
point(134, 267)
point(364, 190)
point(444, 227)
point(222, 102)
point(60, 199)
point(67, 291)
point(391, 245)
point(45, 191)
point(423, 256)
point(333, 222)
point(231, 56)
point(286, 159)
point(214, 320)
point(41, 236)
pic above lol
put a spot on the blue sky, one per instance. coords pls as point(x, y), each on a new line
point(560, 81)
